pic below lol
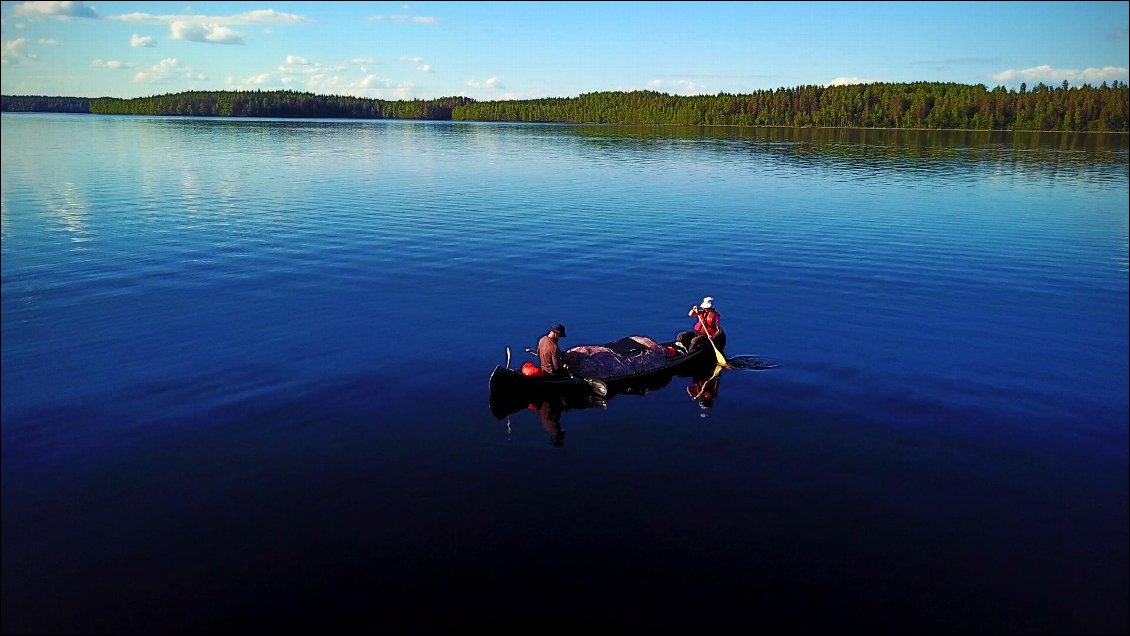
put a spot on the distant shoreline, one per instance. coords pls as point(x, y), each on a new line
point(880, 106)
point(462, 121)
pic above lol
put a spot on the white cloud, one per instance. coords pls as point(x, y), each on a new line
point(268, 16)
point(348, 77)
point(212, 29)
point(311, 69)
point(48, 42)
point(422, 66)
point(372, 81)
point(677, 86)
point(404, 90)
point(163, 70)
point(492, 82)
point(111, 64)
point(367, 86)
point(1048, 74)
point(265, 16)
point(254, 82)
point(136, 40)
point(847, 81)
point(298, 65)
point(54, 10)
point(14, 51)
point(1104, 73)
point(204, 32)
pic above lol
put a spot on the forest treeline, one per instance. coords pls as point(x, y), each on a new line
point(40, 104)
point(915, 105)
point(242, 104)
point(276, 104)
point(918, 105)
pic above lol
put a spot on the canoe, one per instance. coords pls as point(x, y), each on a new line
point(509, 385)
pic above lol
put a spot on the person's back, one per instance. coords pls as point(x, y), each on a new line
point(549, 353)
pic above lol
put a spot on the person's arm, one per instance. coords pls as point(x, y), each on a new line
point(700, 324)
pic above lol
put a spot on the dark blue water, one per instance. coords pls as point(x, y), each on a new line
point(245, 378)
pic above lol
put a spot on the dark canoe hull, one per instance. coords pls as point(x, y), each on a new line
point(509, 386)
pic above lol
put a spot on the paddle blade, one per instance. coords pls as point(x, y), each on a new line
point(721, 359)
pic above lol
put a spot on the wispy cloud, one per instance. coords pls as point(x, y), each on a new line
point(713, 76)
point(492, 82)
point(958, 61)
point(255, 81)
point(111, 64)
point(298, 65)
point(165, 69)
point(54, 10)
point(47, 42)
point(16, 50)
point(404, 90)
point(413, 19)
point(265, 16)
point(349, 77)
point(421, 65)
point(1119, 34)
point(369, 85)
point(136, 40)
point(1046, 73)
point(678, 86)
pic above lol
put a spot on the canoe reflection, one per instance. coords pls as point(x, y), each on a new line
point(703, 388)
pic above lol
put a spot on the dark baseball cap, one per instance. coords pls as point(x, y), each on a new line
point(559, 329)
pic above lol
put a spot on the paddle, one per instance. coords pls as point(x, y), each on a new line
point(598, 387)
point(717, 354)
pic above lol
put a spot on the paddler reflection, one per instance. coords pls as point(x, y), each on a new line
point(705, 391)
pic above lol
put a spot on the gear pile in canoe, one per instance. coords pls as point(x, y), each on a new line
point(626, 356)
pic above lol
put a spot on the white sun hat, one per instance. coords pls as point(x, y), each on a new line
point(707, 302)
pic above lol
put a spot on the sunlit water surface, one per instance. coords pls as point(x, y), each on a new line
point(245, 374)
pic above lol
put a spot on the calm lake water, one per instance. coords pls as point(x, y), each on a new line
point(245, 372)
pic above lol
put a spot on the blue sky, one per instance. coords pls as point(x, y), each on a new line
point(522, 50)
